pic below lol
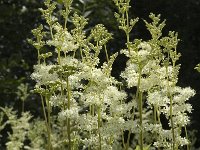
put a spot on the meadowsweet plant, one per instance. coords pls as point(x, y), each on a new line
point(84, 106)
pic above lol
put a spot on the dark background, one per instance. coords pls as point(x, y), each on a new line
point(17, 57)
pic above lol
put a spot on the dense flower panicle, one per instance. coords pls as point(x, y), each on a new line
point(70, 61)
point(88, 122)
point(113, 96)
point(41, 74)
point(69, 113)
point(157, 98)
point(130, 75)
point(145, 46)
point(151, 72)
point(62, 40)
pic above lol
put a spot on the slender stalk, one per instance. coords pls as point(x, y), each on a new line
point(171, 110)
point(111, 140)
point(123, 142)
point(158, 113)
point(49, 121)
point(128, 139)
point(68, 133)
point(51, 31)
point(92, 109)
point(38, 52)
point(65, 24)
point(99, 125)
point(127, 32)
point(156, 120)
point(62, 93)
point(141, 120)
point(129, 133)
point(58, 56)
point(50, 27)
point(172, 124)
point(106, 53)
point(47, 124)
point(171, 102)
point(43, 108)
point(155, 114)
point(68, 119)
point(139, 98)
point(127, 36)
point(74, 53)
point(186, 134)
point(81, 52)
point(138, 84)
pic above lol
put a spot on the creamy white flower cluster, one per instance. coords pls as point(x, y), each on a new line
point(152, 69)
point(86, 98)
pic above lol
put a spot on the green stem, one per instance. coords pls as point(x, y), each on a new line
point(123, 142)
point(62, 93)
point(128, 139)
point(43, 108)
point(68, 94)
point(138, 84)
point(158, 113)
point(140, 104)
point(65, 25)
point(99, 125)
point(127, 32)
point(91, 109)
point(51, 31)
point(46, 122)
point(156, 120)
point(171, 110)
point(141, 121)
point(129, 133)
point(81, 52)
point(59, 56)
point(106, 53)
point(111, 140)
point(65, 54)
point(186, 134)
point(68, 133)
point(155, 114)
point(50, 27)
point(68, 119)
point(74, 53)
point(49, 121)
point(172, 124)
point(38, 51)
